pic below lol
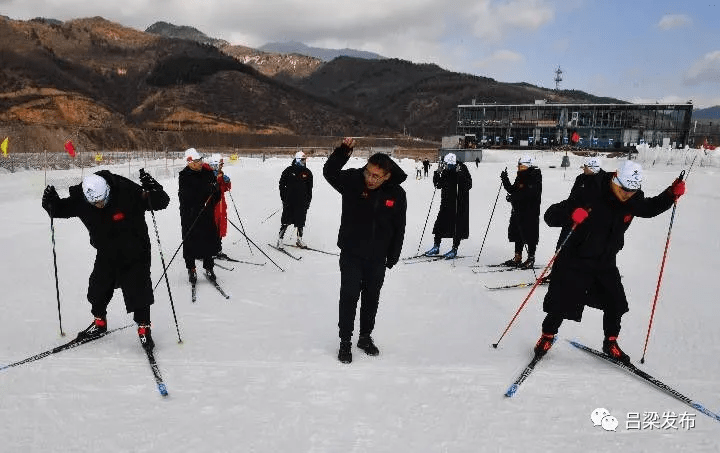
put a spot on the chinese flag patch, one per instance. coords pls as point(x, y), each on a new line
point(118, 216)
point(389, 203)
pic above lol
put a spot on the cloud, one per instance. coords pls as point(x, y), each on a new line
point(705, 70)
point(670, 21)
point(500, 64)
point(493, 20)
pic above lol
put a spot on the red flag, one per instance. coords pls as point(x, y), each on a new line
point(70, 148)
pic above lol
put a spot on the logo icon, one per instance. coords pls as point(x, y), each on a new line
point(601, 417)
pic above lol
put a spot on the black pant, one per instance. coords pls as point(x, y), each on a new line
point(359, 279)
point(132, 278)
point(456, 242)
point(611, 323)
point(531, 248)
point(208, 263)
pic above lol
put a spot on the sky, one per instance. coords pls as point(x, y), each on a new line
point(664, 51)
point(258, 372)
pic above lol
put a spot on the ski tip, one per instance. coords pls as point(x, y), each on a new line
point(163, 389)
point(511, 391)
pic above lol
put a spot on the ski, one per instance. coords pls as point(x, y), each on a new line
point(63, 347)
point(422, 255)
point(193, 290)
point(296, 258)
point(435, 258)
point(314, 250)
point(223, 267)
point(491, 265)
point(524, 375)
point(218, 287)
point(162, 388)
point(515, 285)
point(629, 367)
point(224, 257)
point(489, 271)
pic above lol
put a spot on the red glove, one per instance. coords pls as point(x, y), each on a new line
point(678, 188)
point(579, 215)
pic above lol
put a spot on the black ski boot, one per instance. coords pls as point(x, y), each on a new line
point(529, 263)
point(611, 348)
point(365, 342)
point(146, 340)
point(210, 274)
point(192, 275)
point(345, 354)
point(97, 328)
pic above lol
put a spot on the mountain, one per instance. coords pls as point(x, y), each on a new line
point(114, 87)
point(710, 113)
point(183, 32)
point(292, 47)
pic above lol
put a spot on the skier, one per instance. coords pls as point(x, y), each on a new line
point(296, 184)
point(453, 219)
point(372, 230)
point(426, 167)
point(524, 196)
point(198, 192)
point(112, 208)
point(585, 271)
point(418, 169)
point(477, 162)
point(215, 161)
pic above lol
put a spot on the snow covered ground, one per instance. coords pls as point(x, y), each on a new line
point(258, 372)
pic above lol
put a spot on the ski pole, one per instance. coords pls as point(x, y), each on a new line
point(253, 243)
point(537, 282)
point(162, 260)
point(165, 269)
point(662, 269)
point(426, 220)
point(57, 285)
point(489, 221)
point(268, 217)
point(241, 223)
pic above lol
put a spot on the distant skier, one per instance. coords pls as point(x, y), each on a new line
point(112, 208)
point(477, 162)
point(215, 161)
point(296, 185)
point(524, 196)
point(198, 192)
point(418, 169)
point(426, 166)
point(453, 219)
point(585, 272)
point(372, 230)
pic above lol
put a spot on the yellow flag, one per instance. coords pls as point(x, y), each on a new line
point(3, 146)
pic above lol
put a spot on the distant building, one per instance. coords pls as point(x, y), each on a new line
point(584, 125)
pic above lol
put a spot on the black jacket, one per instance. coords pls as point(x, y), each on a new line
point(524, 195)
point(195, 188)
point(118, 231)
point(296, 184)
point(372, 224)
point(453, 219)
point(585, 271)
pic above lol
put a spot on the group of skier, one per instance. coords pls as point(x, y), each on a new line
point(593, 220)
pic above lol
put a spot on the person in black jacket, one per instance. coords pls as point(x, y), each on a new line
point(296, 184)
point(198, 191)
point(372, 230)
point(453, 219)
point(524, 196)
point(585, 271)
point(112, 208)
point(426, 166)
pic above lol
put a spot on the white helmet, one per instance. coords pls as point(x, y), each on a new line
point(95, 188)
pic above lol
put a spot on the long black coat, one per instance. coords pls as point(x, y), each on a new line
point(119, 233)
point(453, 219)
point(194, 189)
point(296, 184)
point(372, 223)
point(585, 271)
point(524, 195)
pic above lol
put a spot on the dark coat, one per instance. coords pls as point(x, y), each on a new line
point(372, 223)
point(296, 184)
point(453, 219)
point(118, 230)
point(524, 196)
point(585, 271)
point(120, 235)
point(194, 189)
point(580, 181)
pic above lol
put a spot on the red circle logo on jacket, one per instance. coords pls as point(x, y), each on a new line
point(389, 203)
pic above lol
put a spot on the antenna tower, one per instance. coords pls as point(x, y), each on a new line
point(558, 78)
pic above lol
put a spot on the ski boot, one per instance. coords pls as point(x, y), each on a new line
point(192, 275)
point(210, 274)
point(514, 262)
point(345, 354)
point(145, 336)
point(544, 344)
point(96, 329)
point(435, 250)
point(529, 263)
point(365, 342)
point(450, 254)
point(611, 348)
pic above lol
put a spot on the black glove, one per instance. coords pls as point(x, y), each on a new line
point(508, 197)
point(49, 198)
point(504, 175)
point(148, 182)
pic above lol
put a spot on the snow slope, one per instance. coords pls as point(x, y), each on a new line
point(258, 372)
